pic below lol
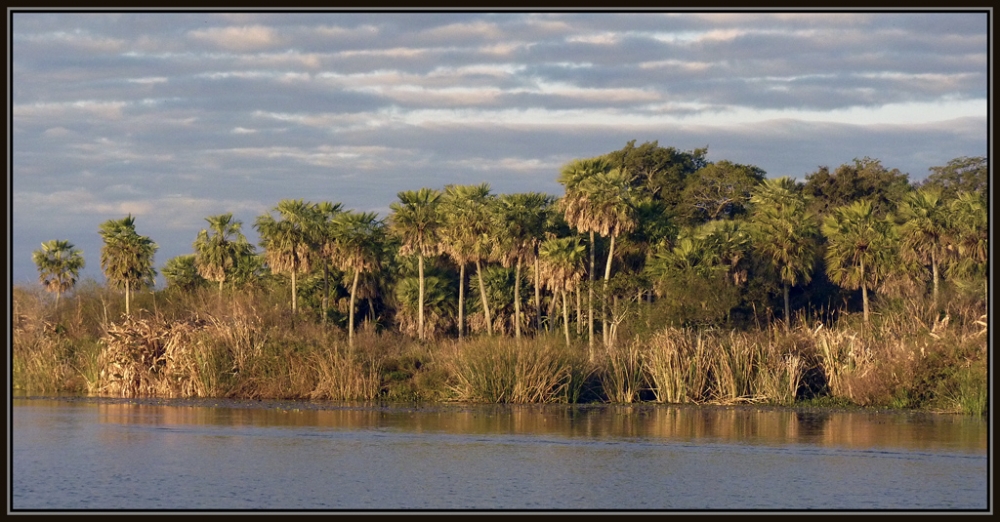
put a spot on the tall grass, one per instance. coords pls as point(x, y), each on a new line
point(623, 376)
point(202, 344)
point(501, 370)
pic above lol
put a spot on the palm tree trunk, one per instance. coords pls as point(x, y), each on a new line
point(128, 309)
point(486, 304)
point(788, 319)
point(294, 299)
point(864, 292)
point(565, 317)
point(934, 270)
point(590, 302)
point(350, 315)
point(517, 300)
point(579, 323)
point(326, 290)
point(461, 301)
point(604, 302)
point(223, 280)
point(538, 295)
point(420, 312)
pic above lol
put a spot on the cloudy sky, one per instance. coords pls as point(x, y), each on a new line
point(176, 116)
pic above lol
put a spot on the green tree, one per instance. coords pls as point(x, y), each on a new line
point(181, 273)
point(611, 212)
point(518, 227)
point(923, 230)
point(580, 216)
point(693, 273)
point(859, 248)
point(719, 190)
point(562, 268)
point(324, 230)
point(962, 174)
point(464, 235)
point(415, 220)
point(127, 257)
point(969, 227)
point(289, 243)
point(864, 180)
point(219, 248)
point(659, 172)
point(359, 239)
point(786, 234)
point(59, 264)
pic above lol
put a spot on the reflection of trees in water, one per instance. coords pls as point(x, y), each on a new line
point(653, 423)
point(811, 425)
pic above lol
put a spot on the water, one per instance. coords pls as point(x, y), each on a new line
point(204, 455)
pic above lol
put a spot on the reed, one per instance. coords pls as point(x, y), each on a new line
point(344, 378)
point(676, 363)
point(733, 363)
point(623, 376)
point(506, 371)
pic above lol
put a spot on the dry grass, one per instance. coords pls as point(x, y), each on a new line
point(500, 370)
point(623, 377)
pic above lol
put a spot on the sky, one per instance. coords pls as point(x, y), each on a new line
point(174, 116)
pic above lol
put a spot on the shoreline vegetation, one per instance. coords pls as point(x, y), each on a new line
point(658, 278)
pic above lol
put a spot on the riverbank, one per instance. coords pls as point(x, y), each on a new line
point(239, 348)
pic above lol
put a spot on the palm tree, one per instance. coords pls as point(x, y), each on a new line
point(519, 224)
point(289, 243)
point(969, 226)
point(785, 233)
point(358, 248)
point(323, 230)
point(859, 246)
point(924, 230)
point(464, 237)
point(180, 272)
point(609, 212)
point(561, 260)
point(415, 220)
point(127, 257)
point(59, 264)
point(578, 215)
point(219, 249)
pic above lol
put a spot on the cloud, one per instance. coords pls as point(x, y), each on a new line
point(245, 38)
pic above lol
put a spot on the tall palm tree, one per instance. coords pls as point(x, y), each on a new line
point(611, 212)
point(324, 231)
point(359, 238)
point(127, 257)
point(578, 215)
point(464, 235)
point(219, 248)
point(519, 224)
point(785, 233)
point(289, 243)
point(415, 220)
point(924, 230)
point(859, 246)
point(59, 264)
point(969, 226)
point(561, 260)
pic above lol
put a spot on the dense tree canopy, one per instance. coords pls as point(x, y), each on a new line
point(702, 242)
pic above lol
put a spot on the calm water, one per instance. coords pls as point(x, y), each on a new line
point(100, 454)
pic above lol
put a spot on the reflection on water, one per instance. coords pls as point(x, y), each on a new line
point(81, 454)
point(753, 425)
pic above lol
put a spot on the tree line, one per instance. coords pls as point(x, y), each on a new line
point(643, 226)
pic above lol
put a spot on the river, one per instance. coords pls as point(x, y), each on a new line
point(90, 454)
